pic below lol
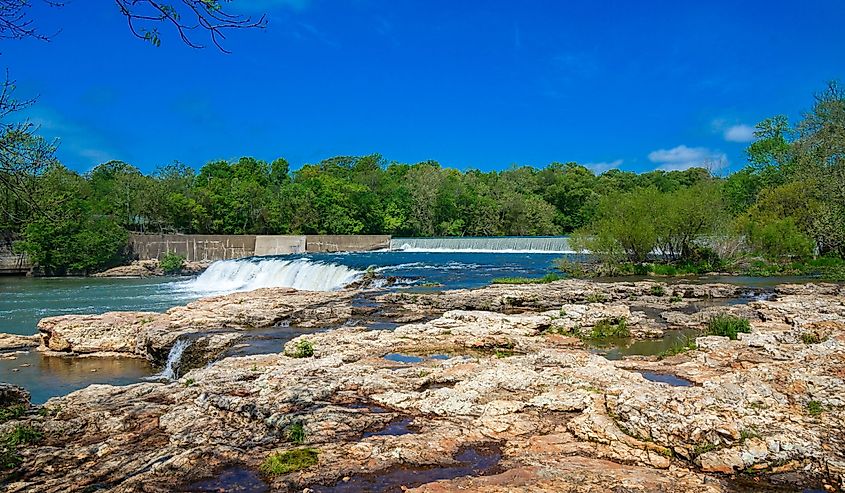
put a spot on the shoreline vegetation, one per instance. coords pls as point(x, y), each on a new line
point(781, 214)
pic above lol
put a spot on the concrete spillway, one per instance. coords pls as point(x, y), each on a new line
point(508, 244)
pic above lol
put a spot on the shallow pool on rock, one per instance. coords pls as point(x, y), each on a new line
point(472, 461)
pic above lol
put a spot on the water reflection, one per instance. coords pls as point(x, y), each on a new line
point(51, 376)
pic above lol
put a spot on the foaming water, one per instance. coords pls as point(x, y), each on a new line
point(254, 273)
point(174, 359)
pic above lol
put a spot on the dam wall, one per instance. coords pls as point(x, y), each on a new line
point(279, 245)
point(346, 243)
point(12, 263)
point(225, 247)
point(194, 248)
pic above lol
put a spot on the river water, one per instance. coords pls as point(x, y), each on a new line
point(24, 301)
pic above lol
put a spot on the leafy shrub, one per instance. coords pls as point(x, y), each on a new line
point(304, 349)
point(574, 269)
point(12, 412)
point(814, 408)
point(728, 325)
point(9, 443)
point(610, 328)
point(172, 263)
point(657, 290)
point(810, 338)
point(288, 461)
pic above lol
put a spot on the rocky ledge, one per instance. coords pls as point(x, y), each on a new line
point(212, 324)
point(151, 268)
point(471, 400)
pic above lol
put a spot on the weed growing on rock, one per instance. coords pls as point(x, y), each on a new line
point(609, 328)
point(552, 277)
point(12, 412)
point(303, 349)
point(657, 290)
point(728, 325)
point(596, 298)
point(190, 382)
point(814, 408)
point(703, 448)
point(503, 353)
point(688, 344)
point(810, 338)
point(296, 433)
point(675, 299)
point(289, 461)
point(9, 443)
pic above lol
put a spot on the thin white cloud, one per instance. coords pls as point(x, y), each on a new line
point(603, 166)
point(683, 157)
point(739, 133)
point(80, 146)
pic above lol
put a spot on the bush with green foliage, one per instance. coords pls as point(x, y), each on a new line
point(12, 440)
point(289, 461)
point(172, 263)
point(303, 349)
point(610, 328)
point(729, 326)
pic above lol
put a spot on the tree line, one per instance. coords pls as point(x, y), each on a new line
point(783, 213)
point(788, 202)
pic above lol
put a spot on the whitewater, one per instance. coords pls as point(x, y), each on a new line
point(229, 276)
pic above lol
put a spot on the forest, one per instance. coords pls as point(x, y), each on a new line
point(786, 205)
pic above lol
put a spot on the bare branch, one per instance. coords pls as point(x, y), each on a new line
point(186, 16)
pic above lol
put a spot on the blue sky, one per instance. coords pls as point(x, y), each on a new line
point(472, 84)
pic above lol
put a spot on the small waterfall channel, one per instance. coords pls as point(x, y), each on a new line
point(174, 360)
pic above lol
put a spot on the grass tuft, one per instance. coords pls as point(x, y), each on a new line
point(296, 433)
point(814, 408)
point(610, 328)
point(289, 461)
point(12, 412)
point(657, 290)
point(551, 277)
point(303, 349)
point(729, 326)
point(810, 338)
point(688, 344)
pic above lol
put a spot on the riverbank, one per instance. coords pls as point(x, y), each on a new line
point(494, 389)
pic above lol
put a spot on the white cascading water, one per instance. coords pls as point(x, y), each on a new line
point(515, 244)
point(228, 276)
point(174, 357)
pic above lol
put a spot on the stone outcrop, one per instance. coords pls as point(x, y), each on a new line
point(471, 400)
point(150, 335)
point(151, 268)
point(15, 341)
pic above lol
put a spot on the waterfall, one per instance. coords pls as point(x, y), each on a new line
point(227, 276)
point(508, 244)
point(174, 358)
